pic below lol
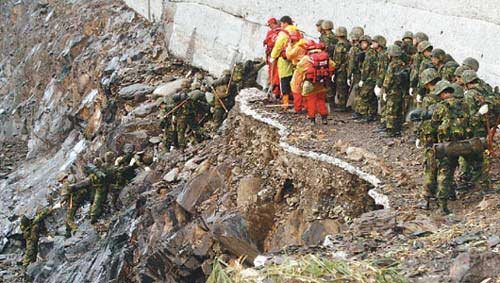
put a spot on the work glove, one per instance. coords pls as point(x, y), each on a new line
point(384, 96)
point(349, 82)
point(360, 84)
point(411, 91)
point(378, 91)
point(418, 143)
point(483, 110)
point(419, 98)
point(271, 60)
point(333, 78)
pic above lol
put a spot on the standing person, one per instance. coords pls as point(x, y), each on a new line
point(32, 229)
point(416, 61)
point(450, 119)
point(269, 42)
point(318, 27)
point(294, 52)
point(329, 39)
point(356, 57)
point(393, 91)
point(383, 64)
point(310, 78)
point(340, 57)
point(408, 48)
point(285, 66)
point(369, 68)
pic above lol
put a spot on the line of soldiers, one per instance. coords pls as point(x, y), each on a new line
point(105, 178)
point(186, 114)
point(385, 84)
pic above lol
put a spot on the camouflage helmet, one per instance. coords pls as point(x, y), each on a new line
point(196, 95)
point(420, 36)
point(326, 24)
point(380, 40)
point(449, 58)
point(341, 31)
point(407, 34)
point(428, 75)
point(459, 71)
point(186, 84)
point(366, 38)
point(357, 31)
point(354, 36)
point(442, 86)
point(319, 23)
point(458, 91)
point(439, 54)
point(395, 51)
point(25, 221)
point(226, 73)
point(147, 158)
point(424, 45)
point(109, 157)
point(128, 148)
point(195, 85)
point(471, 63)
point(469, 76)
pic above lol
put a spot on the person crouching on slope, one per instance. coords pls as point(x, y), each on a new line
point(311, 78)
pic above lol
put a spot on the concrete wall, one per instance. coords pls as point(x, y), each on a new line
point(215, 33)
point(150, 9)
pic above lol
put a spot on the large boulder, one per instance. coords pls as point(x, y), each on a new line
point(199, 188)
point(232, 232)
point(378, 221)
point(472, 267)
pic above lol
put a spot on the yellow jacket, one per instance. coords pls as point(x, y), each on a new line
point(300, 74)
point(285, 67)
point(295, 52)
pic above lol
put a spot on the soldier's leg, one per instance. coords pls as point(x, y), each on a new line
point(444, 182)
point(361, 102)
point(181, 134)
point(218, 115)
point(342, 90)
point(97, 205)
point(31, 247)
point(480, 171)
point(430, 173)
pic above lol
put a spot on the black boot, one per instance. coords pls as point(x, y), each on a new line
point(324, 120)
point(356, 116)
point(443, 205)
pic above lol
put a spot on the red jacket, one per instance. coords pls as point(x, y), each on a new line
point(270, 40)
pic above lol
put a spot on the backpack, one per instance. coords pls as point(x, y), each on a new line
point(454, 126)
point(319, 71)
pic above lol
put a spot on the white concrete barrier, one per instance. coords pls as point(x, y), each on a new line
point(215, 33)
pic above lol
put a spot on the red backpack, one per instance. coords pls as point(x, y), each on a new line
point(270, 40)
point(319, 71)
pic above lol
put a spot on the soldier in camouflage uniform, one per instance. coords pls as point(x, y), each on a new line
point(168, 122)
point(408, 48)
point(74, 195)
point(226, 93)
point(393, 91)
point(450, 119)
point(32, 228)
point(101, 179)
point(368, 101)
point(340, 57)
point(446, 69)
point(425, 48)
point(250, 72)
point(329, 39)
point(416, 61)
point(356, 57)
point(427, 136)
point(383, 64)
point(476, 168)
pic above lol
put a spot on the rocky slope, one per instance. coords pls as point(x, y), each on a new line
point(83, 77)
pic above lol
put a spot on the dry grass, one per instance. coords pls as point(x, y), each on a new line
point(309, 268)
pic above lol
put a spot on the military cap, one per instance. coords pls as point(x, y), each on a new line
point(469, 76)
point(471, 63)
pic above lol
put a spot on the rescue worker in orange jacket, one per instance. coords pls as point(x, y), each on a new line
point(285, 66)
point(311, 77)
point(294, 52)
point(269, 42)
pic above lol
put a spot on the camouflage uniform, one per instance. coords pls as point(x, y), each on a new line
point(476, 168)
point(447, 71)
point(450, 119)
point(74, 196)
point(368, 100)
point(227, 96)
point(393, 86)
point(100, 180)
point(31, 233)
point(250, 73)
point(329, 39)
point(168, 124)
point(383, 64)
point(340, 57)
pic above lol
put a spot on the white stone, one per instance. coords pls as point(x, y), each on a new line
point(171, 176)
point(168, 89)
